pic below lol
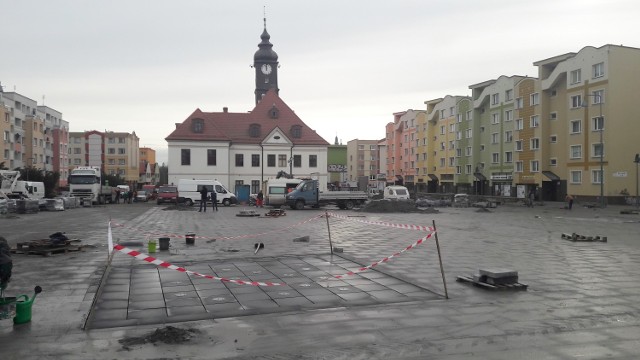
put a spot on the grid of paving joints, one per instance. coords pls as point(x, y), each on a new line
point(140, 295)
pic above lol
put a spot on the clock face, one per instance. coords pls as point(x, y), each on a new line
point(266, 69)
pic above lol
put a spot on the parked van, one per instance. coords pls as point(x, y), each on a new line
point(275, 190)
point(190, 190)
point(167, 193)
point(396, 192)
point(30, 189)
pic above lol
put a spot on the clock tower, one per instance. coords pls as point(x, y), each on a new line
point(265, 62)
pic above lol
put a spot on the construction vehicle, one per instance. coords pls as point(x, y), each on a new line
point(12, 188)
point(85, 182)
point(308, 193)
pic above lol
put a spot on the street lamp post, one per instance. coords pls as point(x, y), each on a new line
point(601, 119)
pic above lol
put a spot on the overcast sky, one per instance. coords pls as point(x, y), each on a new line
point(346, 66)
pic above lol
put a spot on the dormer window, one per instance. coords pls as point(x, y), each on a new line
point(254, 130)
point(296, 131)
point(197, 125)
point(274, 112)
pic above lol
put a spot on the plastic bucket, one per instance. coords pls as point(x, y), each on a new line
point(190, 238)
point(7, 308)
point(164, 243)
point(152, 246)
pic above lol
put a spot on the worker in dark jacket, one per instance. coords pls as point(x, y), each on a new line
point(203, 198)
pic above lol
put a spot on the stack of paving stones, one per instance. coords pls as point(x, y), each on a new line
point(70, 202)
point(54, 205)
point(27, 206)
point(577, 237)
point(495, 279)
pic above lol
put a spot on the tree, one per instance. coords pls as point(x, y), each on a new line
point(113, 180)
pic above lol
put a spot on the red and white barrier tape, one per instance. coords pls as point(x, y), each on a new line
point(387, 224)
point(158, 262)
point(386, 258)
point(222, 237)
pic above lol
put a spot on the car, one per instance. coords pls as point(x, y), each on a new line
point(142, 196)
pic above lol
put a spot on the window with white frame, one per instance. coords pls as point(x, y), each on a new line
point(598, 123)
point(508, 95)
point(451, 111)
point(597, 150)
point(442, 114)
point(458, 152)
point(468, 168)
point(575, 151)
point(452, 127)
point(553, 139)
point(442, 146)
point(459, 118)
point(576, 126)
point(519, 124)
point(535, 144)
point(452, 145)
point(458, 169)
point(495, 158)
point(518, 145)
point(469, 151)
point(495, 118)
point(519, 167)
point(495, 99)
point(452, 161)
point(508, 115)
point(443, 130)
point(442, 162)
point(535, 165)
point(575, 76)
point(553, 162)
point(518, 103)
point(534, 121)
point(576, 101)
point(576, 176)
point(469, 133)
point(469, 115)
point(508, 156)
point(598, 70)
point(596, 176)
point(494, 138)
point(535, 99)
point(508, 136)
point(459, 135)
point(598, 96)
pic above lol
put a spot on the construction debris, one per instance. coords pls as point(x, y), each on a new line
point(577, 237)
point(301, 239)
point(494, 280)
point(276, 212)
point(56, 244)
point(247, 213)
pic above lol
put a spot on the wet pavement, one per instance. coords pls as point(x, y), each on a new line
point(582, 302)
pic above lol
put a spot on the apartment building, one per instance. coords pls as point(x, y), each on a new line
point(60, 149)
point(114, 152)
point(20, 109)
point(592, 96)
point(6, 145)
point(148, 167)
point(34, 154)
point(401, 149)
point(363, 159)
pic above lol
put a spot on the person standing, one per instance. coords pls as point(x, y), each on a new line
point(117, 196)
point(532, 197)
point(569, 200)
point(259, 199)
point(214, 200)
point(203, 198)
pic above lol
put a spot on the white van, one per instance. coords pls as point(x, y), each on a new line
point(30, 189)
point(190, 190)
point(275, 190)
point(396, 192)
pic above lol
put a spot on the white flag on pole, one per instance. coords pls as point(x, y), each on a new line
point(110, 239)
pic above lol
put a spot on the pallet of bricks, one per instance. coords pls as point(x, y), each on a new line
point(46, 247)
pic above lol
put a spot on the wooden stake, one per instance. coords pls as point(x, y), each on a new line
point(446, 294)
point(326, 215)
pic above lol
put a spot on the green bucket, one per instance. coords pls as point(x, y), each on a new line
point(152, 246)
point(7, 307)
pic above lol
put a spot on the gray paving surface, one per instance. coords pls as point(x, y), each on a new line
point(582, 302)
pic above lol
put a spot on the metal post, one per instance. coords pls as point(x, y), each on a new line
point(326, 215)
point(446, 294)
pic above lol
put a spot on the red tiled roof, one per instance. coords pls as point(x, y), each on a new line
point(234, 127)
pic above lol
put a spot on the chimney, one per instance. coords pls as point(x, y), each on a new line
point(225, 109)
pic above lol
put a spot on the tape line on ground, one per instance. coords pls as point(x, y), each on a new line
point(141, 256)
point(387, 224)
point(386, 258)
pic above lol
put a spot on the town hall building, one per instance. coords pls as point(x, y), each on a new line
point(250, 147)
